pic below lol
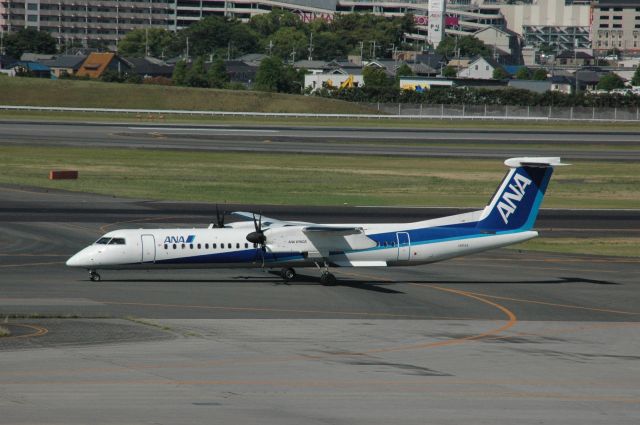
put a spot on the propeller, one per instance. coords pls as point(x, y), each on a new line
point(219, 218)
point(258, 237)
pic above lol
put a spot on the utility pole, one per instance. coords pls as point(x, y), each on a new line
point(361, 51)
point(146, 41)
point(293, 56)
point(229, 51)
point(311, 46)
point(187, 49)
point(270, 46)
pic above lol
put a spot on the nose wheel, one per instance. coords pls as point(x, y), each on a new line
point(327, 278)
point(94, 276)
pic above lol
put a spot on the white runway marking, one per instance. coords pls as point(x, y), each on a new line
point(224, 130)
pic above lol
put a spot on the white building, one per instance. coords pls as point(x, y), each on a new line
point(480, 69)
point(333, 79)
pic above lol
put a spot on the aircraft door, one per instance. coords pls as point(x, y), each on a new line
point(404, 246)
point(148, 249)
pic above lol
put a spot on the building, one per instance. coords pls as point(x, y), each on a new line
point(616, 25)
point(333, 79)
point(86, 22)
point(560, 84)
point(480, 69)
point(574, 59)
point(421, 84)
point(96, 64)
point(64, 65)
point(543, 13)
point(97, 24)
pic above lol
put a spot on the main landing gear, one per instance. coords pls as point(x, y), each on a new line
point(288, 274)
point(94, 276)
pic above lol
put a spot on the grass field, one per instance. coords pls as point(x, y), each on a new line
point(307, 179)
point(625, 247)
point(70, 93)
point(92, 94)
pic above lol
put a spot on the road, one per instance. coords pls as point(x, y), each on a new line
point(616, 146)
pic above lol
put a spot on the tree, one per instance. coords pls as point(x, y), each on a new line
point(273, 75)
point(287, 40)
point(404, 70)
point(217, 75)
point(468, 45)
point(375, 77)
point(635, 81)
point(215, 35)
point(269, 74)
point(197, 74)
point(29, 40)
point(539, 74)
point(179, 76)
point(269, 23)
point(523, 73)
point(136, 42)
point(610, 82)
point(500, 74)
point(449, 71)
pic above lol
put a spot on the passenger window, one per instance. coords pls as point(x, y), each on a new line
point(199, 246)
point(229, 246)
point(206, 246)
point(103, 241)
point(166, 246)
point(182, 246)
point(214, 246)
point(255, 245)
point(174, 246)
point(190, 246)
point(238, 245)
point(246, 245)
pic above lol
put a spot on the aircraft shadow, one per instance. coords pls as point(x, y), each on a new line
point(556, 281)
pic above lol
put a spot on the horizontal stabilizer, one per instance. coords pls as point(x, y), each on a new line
point(534, 161)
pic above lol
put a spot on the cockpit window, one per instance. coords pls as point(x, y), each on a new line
point(117, 241)
point(103, 241)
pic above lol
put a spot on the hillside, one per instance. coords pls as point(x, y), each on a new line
point(93, 94)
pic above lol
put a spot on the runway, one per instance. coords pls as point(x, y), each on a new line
point(501, 337)
point(572, 145)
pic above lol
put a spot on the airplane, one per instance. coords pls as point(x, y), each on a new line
point(264, 242)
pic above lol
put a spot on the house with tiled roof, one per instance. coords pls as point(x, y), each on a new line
point(96, 64)
point(63, 65)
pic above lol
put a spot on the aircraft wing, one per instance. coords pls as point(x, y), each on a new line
point(266, 221)
point(328, 238)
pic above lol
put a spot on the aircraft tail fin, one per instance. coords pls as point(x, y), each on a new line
point(517, 200)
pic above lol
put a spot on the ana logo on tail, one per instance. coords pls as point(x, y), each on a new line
point(507, 204)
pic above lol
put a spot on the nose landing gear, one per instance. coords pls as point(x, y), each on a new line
point(94, 276)
point(327, 278)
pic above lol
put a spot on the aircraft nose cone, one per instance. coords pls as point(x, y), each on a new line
point(74, 261)
point(81, 259)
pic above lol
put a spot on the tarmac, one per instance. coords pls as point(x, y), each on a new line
point(501, 337)
point(457, 143)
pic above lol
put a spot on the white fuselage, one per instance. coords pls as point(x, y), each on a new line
point(380, 245)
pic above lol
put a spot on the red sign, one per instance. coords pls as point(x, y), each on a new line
point(449, 21)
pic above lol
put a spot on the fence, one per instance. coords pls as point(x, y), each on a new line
point(399, 111)
point(509, 112)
